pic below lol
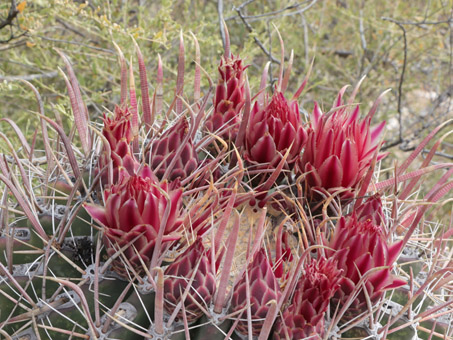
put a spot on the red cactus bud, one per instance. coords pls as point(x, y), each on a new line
point(134, 210)
point(263, 288)
point(119, 127)
point(194, 259)
point(164, 149)
point(361, 246)
point(272, 130)
point(305, 316)
point(229, 99)
point(339, 150)
point(119, 134)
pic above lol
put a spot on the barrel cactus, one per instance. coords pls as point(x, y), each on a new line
point(138, 230)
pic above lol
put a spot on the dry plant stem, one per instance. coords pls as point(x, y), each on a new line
point(250, 30)
point(400, 84)
point(9, 20)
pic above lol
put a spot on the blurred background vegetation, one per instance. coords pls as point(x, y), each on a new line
point(398, 44)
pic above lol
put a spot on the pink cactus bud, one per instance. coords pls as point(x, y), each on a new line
point(263, 288)
point(134, 210)
point(165, 149)
point(360, 246)
point(229, 99)
point(339, 150)
point(305, 316)
point(272, 130)
point(119, 134)
point(195, 260)
point(118, 128)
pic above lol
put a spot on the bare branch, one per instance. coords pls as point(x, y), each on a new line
point(400, 85)
point(12, 14)
point(250, 29)
point(276, 13)
point(30, 76)
point(78, 44)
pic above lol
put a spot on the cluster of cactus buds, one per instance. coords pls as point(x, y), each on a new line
point(178, 247)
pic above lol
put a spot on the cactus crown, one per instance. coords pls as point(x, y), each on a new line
point(240, 219)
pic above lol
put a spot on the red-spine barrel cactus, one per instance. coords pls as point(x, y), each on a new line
point(175, 142)
point(118, 132)
point(228, 99)
point(263, 288)
point(194, 262)
point(272, 130)
point(305, 315)
point(360, 246)
point(135, 209)
point(339, 150)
